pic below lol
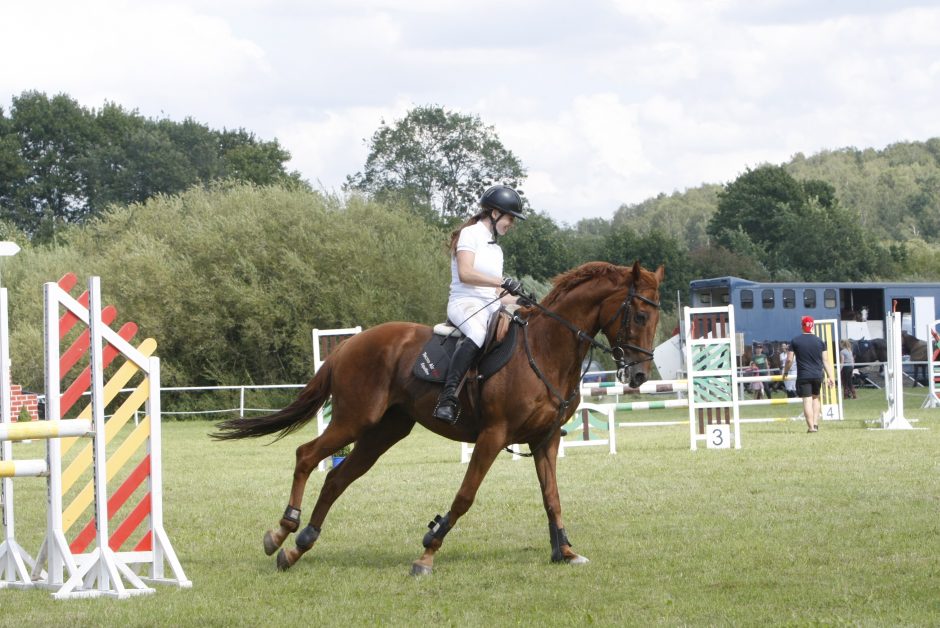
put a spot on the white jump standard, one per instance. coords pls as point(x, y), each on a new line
point(134, 463)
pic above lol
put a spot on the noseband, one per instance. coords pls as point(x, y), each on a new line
point(618, 351)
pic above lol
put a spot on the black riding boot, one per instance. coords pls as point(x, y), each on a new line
point(447, 405)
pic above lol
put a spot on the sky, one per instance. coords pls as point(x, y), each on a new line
point(605, 103)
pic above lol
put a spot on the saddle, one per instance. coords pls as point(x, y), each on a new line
point(432, 362)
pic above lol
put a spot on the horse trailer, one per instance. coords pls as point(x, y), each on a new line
point(772, 310)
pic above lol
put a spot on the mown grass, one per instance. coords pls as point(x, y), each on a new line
point(835, 528)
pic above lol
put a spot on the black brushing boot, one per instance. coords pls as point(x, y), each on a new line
point(447, 405)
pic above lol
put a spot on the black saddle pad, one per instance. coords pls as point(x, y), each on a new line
point(431, 365)
point(432, 362)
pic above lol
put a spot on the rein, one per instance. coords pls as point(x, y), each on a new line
point(617, 353)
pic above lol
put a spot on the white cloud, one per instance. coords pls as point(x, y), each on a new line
point(153, 57)
point(334, 144)
point(606, 102)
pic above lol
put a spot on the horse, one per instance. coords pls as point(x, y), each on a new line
point(377, 400)
point(911, 345)
point(866, 351)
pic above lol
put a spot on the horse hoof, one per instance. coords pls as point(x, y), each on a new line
point(417, 569)
point(578, 560)
point(270, 544)
point(283, 563)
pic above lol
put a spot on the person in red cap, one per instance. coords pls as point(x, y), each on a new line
point(812, 364)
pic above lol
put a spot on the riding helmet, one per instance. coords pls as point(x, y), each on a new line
point(503, 199)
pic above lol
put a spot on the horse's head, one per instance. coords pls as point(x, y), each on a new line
point(628, 319)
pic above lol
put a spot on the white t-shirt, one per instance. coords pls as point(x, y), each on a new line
point(488, 258)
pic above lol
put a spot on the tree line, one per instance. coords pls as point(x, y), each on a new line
point(205, 239)
point(63, 164)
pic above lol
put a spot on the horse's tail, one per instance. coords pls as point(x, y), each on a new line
point(286, 421)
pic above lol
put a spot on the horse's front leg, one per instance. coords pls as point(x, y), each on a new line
point(485, 450)
point(545, 465)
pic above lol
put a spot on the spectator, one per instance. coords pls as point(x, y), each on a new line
point(763, 365)
point(757, 388)
point(812, 362)
point(848, 367)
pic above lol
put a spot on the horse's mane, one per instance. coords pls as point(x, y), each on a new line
point(567, 281)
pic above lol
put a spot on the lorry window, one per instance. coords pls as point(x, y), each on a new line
point(809, 298)
point(747, 299)
point(767, 298)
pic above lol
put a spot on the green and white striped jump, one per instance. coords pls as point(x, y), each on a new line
point(647, 388)
point(662, 404)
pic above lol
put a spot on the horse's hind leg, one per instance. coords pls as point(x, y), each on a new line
point(308, 456)
point(372, 444)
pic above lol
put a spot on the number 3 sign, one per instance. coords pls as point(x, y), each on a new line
point(719, 436)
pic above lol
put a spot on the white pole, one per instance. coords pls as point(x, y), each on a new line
point(55, 547)
point(13, 560)
point(893, 418)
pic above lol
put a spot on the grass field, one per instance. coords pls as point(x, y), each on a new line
point(836, 528)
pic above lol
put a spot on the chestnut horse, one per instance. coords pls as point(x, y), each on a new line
point(377, 400)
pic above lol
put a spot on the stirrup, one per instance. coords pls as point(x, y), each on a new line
point(453, 403)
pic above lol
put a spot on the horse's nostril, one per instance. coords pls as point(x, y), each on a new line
point(638, 380)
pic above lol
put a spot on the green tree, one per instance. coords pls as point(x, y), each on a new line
point(717, 261)
point(623, 246)
point(892, 192)
point(537, 248)
point(683, 215)
point(435, 162)
point(48, 135)
point(246, 158)
point(13, 169)
point(63, 164)
point(585, 242)
point(794, 229)
point(759, 203)
point(231, 278)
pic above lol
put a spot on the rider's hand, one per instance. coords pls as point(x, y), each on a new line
point(512, 286)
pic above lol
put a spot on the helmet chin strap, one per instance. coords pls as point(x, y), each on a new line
point(493, 222)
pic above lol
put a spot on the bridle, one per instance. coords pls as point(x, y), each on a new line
point(617, 352)
point(620, 345)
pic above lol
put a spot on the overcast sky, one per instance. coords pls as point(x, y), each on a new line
point(605, 102)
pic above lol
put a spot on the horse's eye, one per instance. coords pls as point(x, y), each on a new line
point(641, 318)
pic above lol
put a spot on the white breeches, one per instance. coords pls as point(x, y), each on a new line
point(472, 316)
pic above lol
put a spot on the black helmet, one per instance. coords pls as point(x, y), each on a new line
point(503, 199)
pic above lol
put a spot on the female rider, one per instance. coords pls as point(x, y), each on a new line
point(476, 270)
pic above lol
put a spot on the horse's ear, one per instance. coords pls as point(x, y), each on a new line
point(637, 271)
point(661, 273)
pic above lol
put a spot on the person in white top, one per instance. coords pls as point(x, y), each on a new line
point(477, 285)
